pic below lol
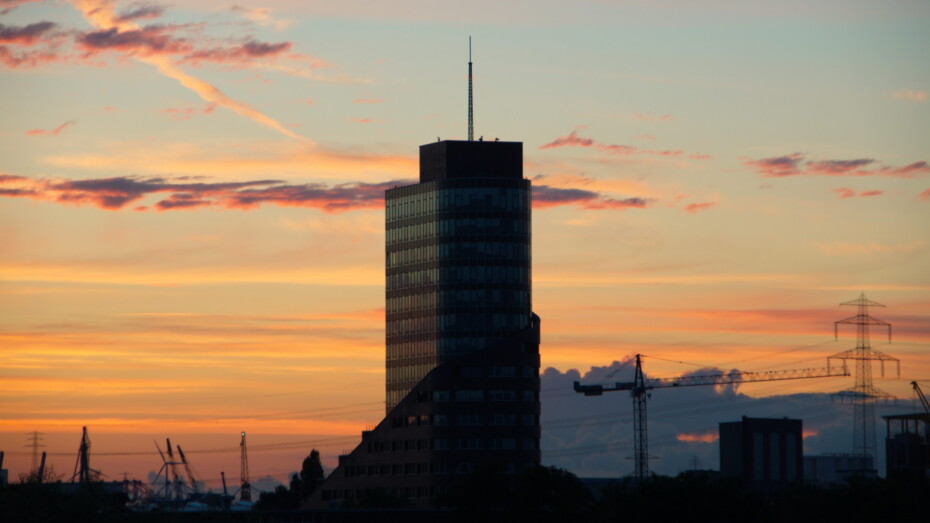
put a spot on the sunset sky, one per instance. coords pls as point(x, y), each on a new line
point(191, 212)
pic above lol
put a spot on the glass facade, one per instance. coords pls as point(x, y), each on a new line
point(458, 271)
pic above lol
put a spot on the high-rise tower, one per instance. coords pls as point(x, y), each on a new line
point(458, 258)
point(462, 342)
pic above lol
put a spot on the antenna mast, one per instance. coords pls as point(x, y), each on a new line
point(471, 116)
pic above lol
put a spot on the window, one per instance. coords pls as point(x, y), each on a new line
point(440, 396)
point(471, 372)
point(504, 419)
point(469, 395)
point(502, 372)
point(468, 444)
point(469, 420)
point(501, 395)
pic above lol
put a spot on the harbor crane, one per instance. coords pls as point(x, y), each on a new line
point(245, 491)
point(923, 400)
point(640, 386)
point(190, 473)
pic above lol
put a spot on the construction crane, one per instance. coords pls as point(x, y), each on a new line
point(640, 386)
point(82, 471)
point(923, 400)
point(245, 491)
point(190, 473)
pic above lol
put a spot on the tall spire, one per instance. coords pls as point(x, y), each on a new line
point(471, 116)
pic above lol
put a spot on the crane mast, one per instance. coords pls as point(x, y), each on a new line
point(640, 386)
point(923, 399)
point(190, 474)
point(245, 491)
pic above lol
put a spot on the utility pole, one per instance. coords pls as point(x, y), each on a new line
point(863, 395)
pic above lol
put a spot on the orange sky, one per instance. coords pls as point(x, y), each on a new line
point(190, 202)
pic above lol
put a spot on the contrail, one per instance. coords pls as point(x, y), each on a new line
point(101, 14)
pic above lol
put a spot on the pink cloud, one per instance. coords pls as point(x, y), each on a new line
point(141, 12)
point(652, 118)
point(695, 208)
point(925, 196)
point(245, 52)
point(53, 132)
point(34, 58)
point(846, 192)
point(186, 113)
point(795, 164)
point(118, 193)
point(698, 437)
point(361, 120)
point(838, 167)
point(368, 100)
point(787, 165)
point(908, 171)
point(647, 137)
point(8, 5)
point(573, 140)
point(148, 40)
point(545, 197)
point(25, 35)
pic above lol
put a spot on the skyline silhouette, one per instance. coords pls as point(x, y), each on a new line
point(192, 204)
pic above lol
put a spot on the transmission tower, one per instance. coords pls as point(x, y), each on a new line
point(35, 442)
point(245, 492)
point(863, 395)
point(640, 386)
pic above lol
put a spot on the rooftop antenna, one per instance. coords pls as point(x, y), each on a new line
point(471, 116)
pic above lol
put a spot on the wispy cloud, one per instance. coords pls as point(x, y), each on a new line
point(118, 193)
point(53, 132)
point(186, 113)
point(25, 35)
point(545, 196)
point(141, 11)
point(8, 5)
point(154, 45)
point(795, 164)
point(845, 192)
point(368, 100)
point(239, 54)
point(573, 140)
point(695, 208)
point(262, 16)
point(647, 117)
point(925, 196)
point(913, 96)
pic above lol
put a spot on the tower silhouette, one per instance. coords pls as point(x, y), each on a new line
point(863, 395)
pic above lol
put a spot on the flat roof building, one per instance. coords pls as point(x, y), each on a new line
point(764, 452)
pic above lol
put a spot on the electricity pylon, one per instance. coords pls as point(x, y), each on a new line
point(863, 395)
